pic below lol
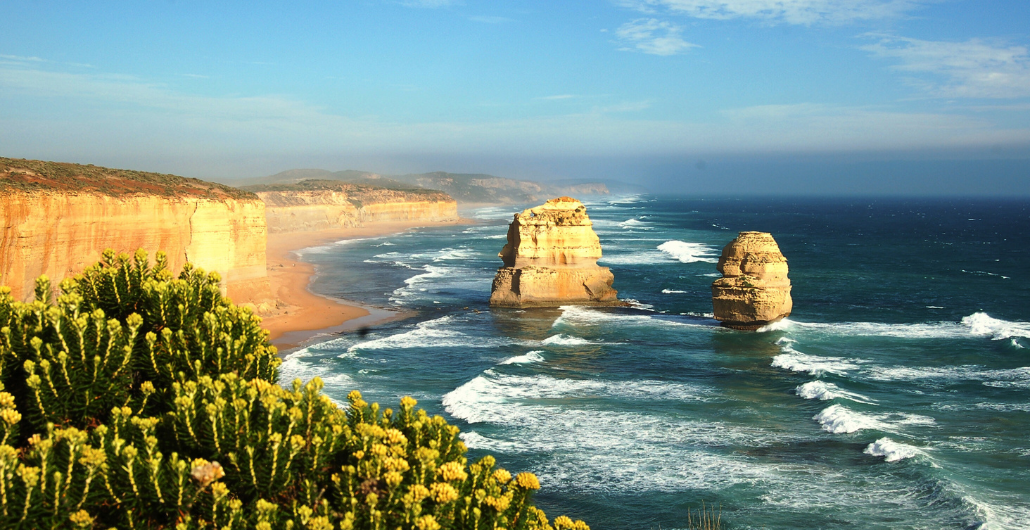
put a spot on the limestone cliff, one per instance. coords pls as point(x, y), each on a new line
point(56, 219)
point(551, 259)
point(754, 290)
point(318, 205)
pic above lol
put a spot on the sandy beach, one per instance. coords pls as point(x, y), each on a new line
point(299, 314)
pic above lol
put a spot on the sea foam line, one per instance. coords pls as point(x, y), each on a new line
point(978, 324)
point(824, 391)
point(838, 419)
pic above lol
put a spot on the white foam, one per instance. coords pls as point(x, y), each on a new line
point(1007, 378)
point(300, 365)
point(824, 391)
point(981, 324)
point(438, 333)
point(779, 325)
point(491, 396)
point(528, 358)
point(432, 272)
point(565, 340)
point(629, 199)
point(672, 291)
point(577, 316)
point(976, 325)
point(635, 224)
point(322, 249)
point(839, 419)
point(688, 252)
point(494, 213)
point(797, 361)
point(890, 450)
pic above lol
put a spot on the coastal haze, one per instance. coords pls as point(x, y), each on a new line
point(566, 227)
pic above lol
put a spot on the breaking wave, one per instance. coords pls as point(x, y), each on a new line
point(688, 252)
point(976, 325)
point(891, 451)
point(824, 391)
point(838, 419)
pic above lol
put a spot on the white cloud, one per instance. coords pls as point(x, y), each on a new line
point(653, 36)
point(971, 69)
point(20, 59)
point(805, 12)
point(129, 122)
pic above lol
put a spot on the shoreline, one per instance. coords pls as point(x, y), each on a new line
point(300, 315)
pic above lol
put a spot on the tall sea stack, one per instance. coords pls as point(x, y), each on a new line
point(551, 259)
point(754, 290)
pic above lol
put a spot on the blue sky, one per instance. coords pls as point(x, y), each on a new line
point(637, 90)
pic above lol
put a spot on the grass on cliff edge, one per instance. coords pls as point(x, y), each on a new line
point(41, 176)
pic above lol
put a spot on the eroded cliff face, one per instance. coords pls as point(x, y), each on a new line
point(57, 218)
point(550, 259)
point(59, 234)
point(295, 210)
point(754, 290)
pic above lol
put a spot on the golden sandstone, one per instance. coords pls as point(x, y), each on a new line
point(551, 259)
point(754, 290)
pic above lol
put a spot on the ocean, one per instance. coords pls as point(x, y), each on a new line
point(897, 394)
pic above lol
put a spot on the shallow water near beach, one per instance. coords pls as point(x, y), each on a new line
point(897, 395)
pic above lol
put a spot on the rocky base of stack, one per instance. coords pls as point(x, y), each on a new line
point(549, 287)
point(748, 308)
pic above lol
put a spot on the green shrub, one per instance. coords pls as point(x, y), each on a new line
point(135, 400)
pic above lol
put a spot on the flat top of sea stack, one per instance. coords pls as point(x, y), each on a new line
point(37, 176)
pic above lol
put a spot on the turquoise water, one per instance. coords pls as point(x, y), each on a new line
point(897, 395)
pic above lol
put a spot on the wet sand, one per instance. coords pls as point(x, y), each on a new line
point(300, 315)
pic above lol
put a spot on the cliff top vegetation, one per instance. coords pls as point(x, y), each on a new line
point(362, 192)
point(42, 176)
point(464, 187)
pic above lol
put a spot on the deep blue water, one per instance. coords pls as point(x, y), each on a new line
point(897, 395)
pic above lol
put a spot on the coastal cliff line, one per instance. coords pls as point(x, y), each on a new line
point(58, 218)
point(314, 205)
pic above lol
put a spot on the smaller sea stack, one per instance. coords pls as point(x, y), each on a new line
point(754, 290)
point(551, 259)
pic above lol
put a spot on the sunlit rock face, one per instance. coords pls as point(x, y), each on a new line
point(754, 290)
point(551, 259)
point(61, 233)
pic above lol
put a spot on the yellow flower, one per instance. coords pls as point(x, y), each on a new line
point(453, 471)
point(502, 476)
point(498, 503)
point(393, 479)
point(6, 400)
point(81, 519)
point(395, 437)
point(408, 402)
point(10, 416)
point(527, 481)
point(418, 492)
point(206, 473)
point(427, 522)
point(443, 493)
